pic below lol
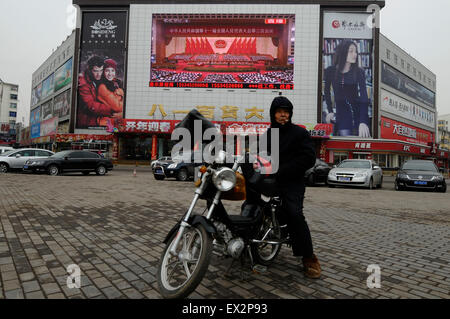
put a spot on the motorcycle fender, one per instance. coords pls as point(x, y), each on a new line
point(171, 232)
point(196, 219)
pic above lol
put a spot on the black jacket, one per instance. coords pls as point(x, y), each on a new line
point(296, 148)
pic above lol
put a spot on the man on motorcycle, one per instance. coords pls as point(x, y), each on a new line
point(296, 155)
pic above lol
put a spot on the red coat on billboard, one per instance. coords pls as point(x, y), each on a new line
point(89, 108)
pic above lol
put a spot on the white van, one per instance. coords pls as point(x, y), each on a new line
point(4, 149)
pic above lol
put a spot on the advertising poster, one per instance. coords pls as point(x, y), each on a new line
point(347, 94)
point(36, 130)
point(394, 130)
point(101, 92)
point(47, 86)
point(61, 105)
point(35, 116)
point(397, 80)
point(396, 105)
point(63, 75)
point(214, 52)
point(46, 110)
point(36, 94)
point(49, 127)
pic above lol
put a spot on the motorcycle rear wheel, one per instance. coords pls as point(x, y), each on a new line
point(179, 275)
point(264, 253)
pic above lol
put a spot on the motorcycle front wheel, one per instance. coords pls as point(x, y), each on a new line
point(178, 275)
point(265, 253)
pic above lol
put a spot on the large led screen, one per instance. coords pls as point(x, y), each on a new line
point(245, 51)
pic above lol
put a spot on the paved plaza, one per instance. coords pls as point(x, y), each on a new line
point(112, 227)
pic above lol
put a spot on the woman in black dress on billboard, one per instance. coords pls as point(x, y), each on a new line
point(350, 92)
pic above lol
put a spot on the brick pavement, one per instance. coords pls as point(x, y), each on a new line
point(112, 227)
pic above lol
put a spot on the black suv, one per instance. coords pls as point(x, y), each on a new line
point(420, 174)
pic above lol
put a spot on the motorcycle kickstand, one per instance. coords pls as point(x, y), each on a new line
point(256, 268)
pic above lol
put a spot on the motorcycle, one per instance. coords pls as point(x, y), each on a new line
point(255, 233)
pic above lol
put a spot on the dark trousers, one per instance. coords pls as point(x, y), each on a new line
point(292, 197)
point(291, 213)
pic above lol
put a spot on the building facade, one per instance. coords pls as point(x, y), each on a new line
point(157, 61)
point(9, 100)
point(443, 133)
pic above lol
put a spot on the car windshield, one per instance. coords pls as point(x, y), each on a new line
point(354, 164)
point(419, 166)
point(60, 154)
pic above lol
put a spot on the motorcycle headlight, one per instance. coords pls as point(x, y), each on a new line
point(220, 157)
point(224, 179)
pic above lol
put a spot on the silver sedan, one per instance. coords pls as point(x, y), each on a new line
point(356, 172)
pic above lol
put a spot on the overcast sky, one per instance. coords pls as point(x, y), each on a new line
point(31, 29)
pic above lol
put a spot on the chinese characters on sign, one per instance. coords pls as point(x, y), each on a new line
point(210, 30)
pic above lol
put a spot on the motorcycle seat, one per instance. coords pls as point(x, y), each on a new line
point(238, 219)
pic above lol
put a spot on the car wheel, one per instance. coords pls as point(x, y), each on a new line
point(3, 168)
point(158, 177)
point(182, 175)
point(101, 170)
point(311, 179)
point(371, 183)
point(381, 183)
point(53, 170)
point(398, 187)
point(443, 189)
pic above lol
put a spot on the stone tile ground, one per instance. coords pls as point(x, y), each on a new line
point(112, 227)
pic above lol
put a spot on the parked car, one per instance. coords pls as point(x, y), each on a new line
point(70, 161)
point(356, 172)
point(15, 159)
point(180, 168)
point(420, 174)
point(161, 161)
point(318, 173)
point(4, 149)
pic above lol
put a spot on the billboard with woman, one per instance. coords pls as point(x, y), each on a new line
point(347, 74)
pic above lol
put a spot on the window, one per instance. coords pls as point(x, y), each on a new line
point(90, 155)
point(414, 71)
point(76, 155)
point(25, 153)
point(14, 88)
point(13, 96)
point(408, 67)
point(395, 59)
point(13, 122)
point(403, 63)
point(13, 105)
point(43, 153)
point(12, 114)
point(388, 54)
point(339, 157)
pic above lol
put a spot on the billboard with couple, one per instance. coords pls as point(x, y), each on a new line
point(101, 78)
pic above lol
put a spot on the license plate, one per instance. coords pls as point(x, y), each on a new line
point(25, 166)
point(420, 183)
point(345, 179)
point(158, 170)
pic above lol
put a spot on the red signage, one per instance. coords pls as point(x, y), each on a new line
point(226, 127)
point(276, 21)
point(393, 130)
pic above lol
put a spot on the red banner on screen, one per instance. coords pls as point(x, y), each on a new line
point(200, 31)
